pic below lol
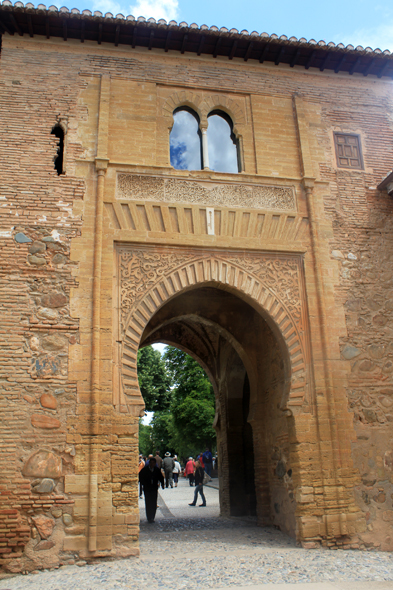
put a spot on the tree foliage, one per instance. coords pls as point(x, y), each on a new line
point(154, 379)
point(183, 418)
point(146, 443)
point(192, 402)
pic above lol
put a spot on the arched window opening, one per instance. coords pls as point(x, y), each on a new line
point(223, 144)
point(185, 140)
point(59, 157)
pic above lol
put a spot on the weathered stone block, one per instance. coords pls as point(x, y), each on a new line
point(44, 525)
point(21, 238)
point(46, 486)
point(46, 313)
point(350, 352)
point(54, 299)
point(43, 464)
point(56, 512)
point(44, 545)
point(48, 401)
point(36, 260)
point(37, 247)
point(46, 422)
point(67, 519)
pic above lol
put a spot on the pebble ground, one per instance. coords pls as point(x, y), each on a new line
point(193, 548)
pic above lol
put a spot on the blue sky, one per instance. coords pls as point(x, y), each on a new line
point(359, 22)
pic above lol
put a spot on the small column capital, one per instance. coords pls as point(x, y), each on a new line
point(308, 183)
point(101, 164)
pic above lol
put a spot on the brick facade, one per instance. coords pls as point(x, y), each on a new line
point(87, 269)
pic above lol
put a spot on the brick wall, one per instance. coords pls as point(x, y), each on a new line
point(47, 241)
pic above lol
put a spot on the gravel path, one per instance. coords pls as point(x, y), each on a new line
point(193, 548)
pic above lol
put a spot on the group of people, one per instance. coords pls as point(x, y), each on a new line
point(206, 461)
point(155, 471)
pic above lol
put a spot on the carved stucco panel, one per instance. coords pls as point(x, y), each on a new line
point(141, 268)
point(148, 188)
point(148, 276)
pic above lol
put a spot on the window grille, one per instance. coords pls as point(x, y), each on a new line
point(348, 151)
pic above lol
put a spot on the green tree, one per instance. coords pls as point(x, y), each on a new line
point(154, 379)
point(146, 444)
point(192, 404)
point(162, 427)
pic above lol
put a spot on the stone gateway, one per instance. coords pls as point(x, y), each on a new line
point(223, 192)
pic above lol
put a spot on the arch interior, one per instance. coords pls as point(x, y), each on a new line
point(248, 367)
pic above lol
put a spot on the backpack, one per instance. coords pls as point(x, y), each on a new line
point(207, 457)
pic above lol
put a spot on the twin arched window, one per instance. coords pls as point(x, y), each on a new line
point(193, 148)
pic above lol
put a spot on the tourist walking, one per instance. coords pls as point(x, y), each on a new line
point(189, 470)
point(151, 477)
point(176, 471)
point(148, 459)
point(201, 461)
point(208, 461)
point(168, 465)
point(158, 460)
point(199, 473)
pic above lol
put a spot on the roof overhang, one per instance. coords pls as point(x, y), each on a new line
point(387, 183)
point(26, 20)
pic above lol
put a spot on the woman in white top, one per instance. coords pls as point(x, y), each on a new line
point(176, 471)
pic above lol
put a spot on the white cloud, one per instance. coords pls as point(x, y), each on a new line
point(375, 37)
point(160, 347)
point(167, 9)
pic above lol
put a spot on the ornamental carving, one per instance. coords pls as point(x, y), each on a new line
point(148, 188)
point(282, 275)
point(149, 276)
point(142, 268)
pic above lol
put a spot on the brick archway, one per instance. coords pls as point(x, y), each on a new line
point(272, 284)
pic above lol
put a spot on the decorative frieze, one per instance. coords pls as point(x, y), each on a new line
point(170, 190)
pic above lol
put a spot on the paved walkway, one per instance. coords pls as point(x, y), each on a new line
point(190, 548)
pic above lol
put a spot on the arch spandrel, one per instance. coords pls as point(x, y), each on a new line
point(203, 103)
point(271, 283)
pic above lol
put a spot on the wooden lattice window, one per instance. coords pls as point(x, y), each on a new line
point(348, 151)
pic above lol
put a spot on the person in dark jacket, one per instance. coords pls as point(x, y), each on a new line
point(199, 473)
point(151, 478)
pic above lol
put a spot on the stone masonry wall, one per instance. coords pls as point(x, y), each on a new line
point(46, 292)
point(362, 245)
point(37, 330)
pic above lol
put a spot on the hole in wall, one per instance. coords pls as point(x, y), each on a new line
point(58, 132)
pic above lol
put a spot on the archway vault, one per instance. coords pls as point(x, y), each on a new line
point(273, 284)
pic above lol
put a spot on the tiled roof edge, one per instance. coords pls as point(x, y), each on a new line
point(183, 26)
